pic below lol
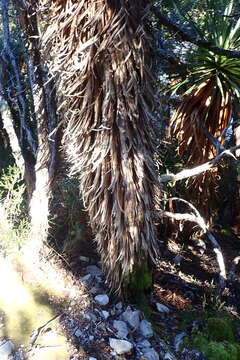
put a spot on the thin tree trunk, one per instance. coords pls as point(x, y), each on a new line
point(14, 105)
point(45, 113)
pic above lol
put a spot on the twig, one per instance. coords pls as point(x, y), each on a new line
point(38, 331)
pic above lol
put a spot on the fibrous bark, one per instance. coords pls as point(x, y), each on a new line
point(102, 56)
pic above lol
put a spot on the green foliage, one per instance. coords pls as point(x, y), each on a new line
point(12, 193)
point(220, 329)
point(14, 226)
point(216, 340)
point(140, 279)
point(70, 225)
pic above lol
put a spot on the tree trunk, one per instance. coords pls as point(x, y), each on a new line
point(45, 113)
point(103, 60)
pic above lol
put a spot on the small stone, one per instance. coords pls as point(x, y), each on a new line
point(178, 340)
point(105, 314)
point(144, 344)
point(191, 355)
point(93, 270)
point(84, 259)
point(162, 308)
point(120, 346)
point(97, 289)
point(87, 280)
point(177, 260)
point(92, 358)
point(122, 329)
point(91, 337)
point(132, 317)
point(146, 329)
point(78, 333)
point(169, 356)
point(6, 349)
point(89, 316)
point(119, 305)
point(102, 299)
point(150, 354)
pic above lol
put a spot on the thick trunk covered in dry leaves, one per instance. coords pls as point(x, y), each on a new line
point(102, 55)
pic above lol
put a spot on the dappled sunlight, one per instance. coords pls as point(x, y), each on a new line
point(18, 302)
point(25, 307)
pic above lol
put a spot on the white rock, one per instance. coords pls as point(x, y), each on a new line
point(84, 259)
point(120, 346)
point(93, 270)
point(146, 329)
point(91, 337)
point(132, 317)
point(78, 333)
point(87, 280)
point(144, 344)
point(96, 289)
point(105, 314)
point(162, 308)
point(102, 299)
point(178, 340)
point(89, 316)
point(119, 305)
point(150, 354)
point(92, 358)
point(6, 349)
point(169, 356)
point(122, 329)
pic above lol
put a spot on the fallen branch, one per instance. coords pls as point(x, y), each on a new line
point(220, 260)
point(234, 264)
point(184, 174)
point(37, 332)
point(198, 219)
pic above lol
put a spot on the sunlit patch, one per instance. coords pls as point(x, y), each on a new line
point(26, 304)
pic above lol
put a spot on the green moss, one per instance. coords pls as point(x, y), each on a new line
point(140, 280)
point(220, 329)
point(216, 340)
point(213, 350)
point(221, 351)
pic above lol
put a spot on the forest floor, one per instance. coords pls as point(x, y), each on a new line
point(70, 324)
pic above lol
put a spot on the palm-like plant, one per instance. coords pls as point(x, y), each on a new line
point(102, 57)
point(213, 85)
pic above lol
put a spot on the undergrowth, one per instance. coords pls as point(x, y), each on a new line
point(14, 225)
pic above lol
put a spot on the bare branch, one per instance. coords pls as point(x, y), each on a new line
point(220, 260)
point(184, 174)
point(198, 219)
point(193, 39)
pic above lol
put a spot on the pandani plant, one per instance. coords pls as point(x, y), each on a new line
point(213, 87)
point(101, 52)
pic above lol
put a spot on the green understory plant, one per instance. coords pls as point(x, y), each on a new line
point(216, 338)
point(14, 225)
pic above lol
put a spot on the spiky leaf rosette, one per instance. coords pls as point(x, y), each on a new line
point(102, 54)
point(213, 83)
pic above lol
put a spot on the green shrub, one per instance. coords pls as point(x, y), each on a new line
point(14, 225)
point(216, 340)
point(220, 329)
